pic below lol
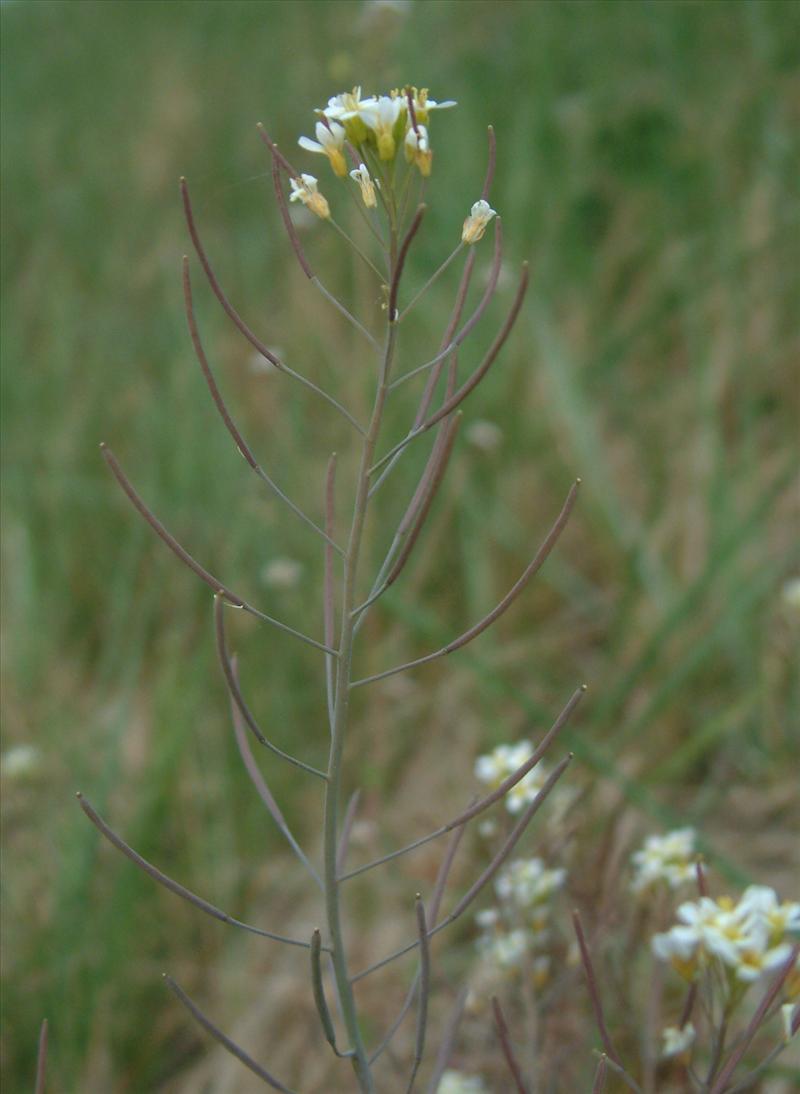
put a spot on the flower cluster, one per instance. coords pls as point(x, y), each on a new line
point(493, 768)
point(745, 939)
point(519, 928)
point(379, 124)
point(677, 1041)
point(668, 858)
point(370, 131)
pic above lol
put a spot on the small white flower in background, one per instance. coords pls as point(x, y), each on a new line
point(305, 190)
point(456, 1082)
point(376, 8)
point(475, 224)
point(484, 435)
point(677, 1041)
point(282, 573)
point(790, 593)
point(330, 143)
point(19, 761)
point(505, 948)
point(362, 176)
point(667, 858)
point(487, 919)
point(517, 932)
point(527, 882)
point(496, 766)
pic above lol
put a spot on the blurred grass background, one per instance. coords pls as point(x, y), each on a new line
point(647, 167)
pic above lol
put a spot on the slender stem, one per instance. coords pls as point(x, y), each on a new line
point(495, 795)
point(435, 904)
point(328, 606)
point(478, 628)
point(340, 719)
point(344, 311)
point(491, 285)
point(401, 261)
point(41, 1059)
point(434, 276)
point(224, 1040)
point(221, 590)
point(175, 886)
point(319, 992)
point(448, 1040)
point(594, 992)
point(230, 425)
point(263, 791)
point(424, 991)
point(238, 698)
point(471, 383)
point(505, 1043)
point(487, 875)
point(351, 242)
point(347, 828)
point(240, 324)
point(600, 1075)
point(761, 1010)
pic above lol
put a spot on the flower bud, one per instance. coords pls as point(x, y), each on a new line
point(305, 190)
point(475, 224)
point(366, 185)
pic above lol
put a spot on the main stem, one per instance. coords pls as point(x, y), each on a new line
point(340, 717)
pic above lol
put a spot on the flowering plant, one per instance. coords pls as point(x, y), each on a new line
point(380, 143)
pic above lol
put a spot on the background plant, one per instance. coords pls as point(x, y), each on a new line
point(648, 173)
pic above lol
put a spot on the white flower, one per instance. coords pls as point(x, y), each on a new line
point(752, 963)
point(761, 903)
point(305, 189)
point(19, 761)
point(375, 8)
point(526, 882)
point(455, 1082)
point(423, 105)
point(347, 105)
point(790, 593)
point(362, 177)
point(282, 573)
point(506, 948)
point(475, 224)
point(487, 919)
point(381, 116)
point(677, 945)
point(484, 435)
point(665, 858)
point(747, 937)
point(418, 150)
point(677, 1041)
point(496, 766)
point(330, 143)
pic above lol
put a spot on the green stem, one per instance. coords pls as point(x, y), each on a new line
point(340, 718)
